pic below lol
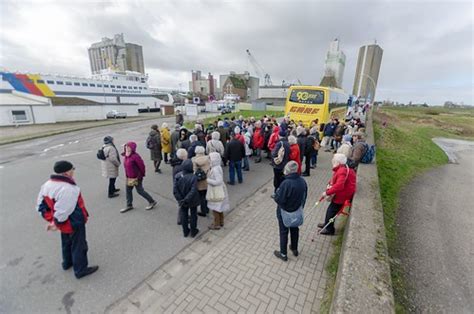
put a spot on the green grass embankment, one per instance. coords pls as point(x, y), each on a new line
point(244, 113)
point(404, 150)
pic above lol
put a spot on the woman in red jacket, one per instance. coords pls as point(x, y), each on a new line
point(341, 187)
point(295, 151)
point(258, 140)
point(274, 137)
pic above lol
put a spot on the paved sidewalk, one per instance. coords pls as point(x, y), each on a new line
point(234, 269)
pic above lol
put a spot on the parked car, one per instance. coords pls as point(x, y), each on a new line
point(115, 114)
point(226, 109)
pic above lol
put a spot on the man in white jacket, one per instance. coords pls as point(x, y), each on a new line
point(60, 203)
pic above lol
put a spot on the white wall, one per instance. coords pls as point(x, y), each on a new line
point(91, 112)
point(273, 92)
point(42, 114)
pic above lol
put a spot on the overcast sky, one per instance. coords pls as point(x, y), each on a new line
point(428, 46)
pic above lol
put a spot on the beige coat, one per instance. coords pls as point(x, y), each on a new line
point(203, 162)
point(110, 166)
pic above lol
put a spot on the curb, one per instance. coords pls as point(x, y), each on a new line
point(363, 282)
point(165, 274)
point(56, 132)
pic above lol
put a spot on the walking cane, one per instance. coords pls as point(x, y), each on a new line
point(347, 204)
point(314, 206)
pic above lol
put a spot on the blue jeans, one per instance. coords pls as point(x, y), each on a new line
point(235, 166)
point(246, 163)
point(314, 158)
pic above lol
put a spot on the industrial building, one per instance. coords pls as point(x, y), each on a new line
point(273, 95)
point(334, 66)
point(367, 72)
point(116, 54)
point(202, 86)
point(244, 85)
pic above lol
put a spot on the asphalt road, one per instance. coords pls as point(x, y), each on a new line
point(127, 247)
point(436, 226)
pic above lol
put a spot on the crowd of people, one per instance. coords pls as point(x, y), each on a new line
point(198, 158)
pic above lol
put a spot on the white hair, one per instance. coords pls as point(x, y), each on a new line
point(193, 138)
point(300, 130)
point(198, 127)
point(182, 154)
point(164, 125)
point(216, 135)
point(339, 159)
point(220, 123)
point(292, 139)
point(200, 150)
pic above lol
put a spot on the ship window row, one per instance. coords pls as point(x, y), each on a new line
point(90, 84)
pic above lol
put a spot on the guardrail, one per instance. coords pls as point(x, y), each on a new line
point(363, 282)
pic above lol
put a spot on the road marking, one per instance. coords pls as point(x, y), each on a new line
point(74, 154)
point(52, 147)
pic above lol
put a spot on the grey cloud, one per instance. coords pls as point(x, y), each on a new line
point(422, 41)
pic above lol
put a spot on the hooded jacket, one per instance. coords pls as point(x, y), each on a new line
point(257, 138)
point(133, 164)
point(216, 178)
point(295, 155)
point(165, 140)
point(215, 145)
point(185, 189)
point(274, 137)
point(201, 161)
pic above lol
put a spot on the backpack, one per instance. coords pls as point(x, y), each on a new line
point(101, 154)
point(369, 154)
point(280, 155)
point(200, 174)
point(150, 142)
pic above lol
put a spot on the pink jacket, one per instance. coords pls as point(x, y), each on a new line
point(133, 164)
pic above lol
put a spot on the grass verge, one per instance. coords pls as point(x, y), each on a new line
point(404, 150)
point(244, 113)
point(331, 269)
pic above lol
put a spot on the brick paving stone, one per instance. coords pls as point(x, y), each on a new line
point(234, 270)
point(209, 310)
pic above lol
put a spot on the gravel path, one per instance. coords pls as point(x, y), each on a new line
point(436, 227)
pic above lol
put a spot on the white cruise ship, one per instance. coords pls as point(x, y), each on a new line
point(107, 87)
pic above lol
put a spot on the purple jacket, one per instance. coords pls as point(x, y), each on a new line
point(133, 164)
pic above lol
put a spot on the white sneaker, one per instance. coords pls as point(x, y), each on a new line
point(151, 206)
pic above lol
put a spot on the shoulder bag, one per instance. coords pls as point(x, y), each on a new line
point(292, 219)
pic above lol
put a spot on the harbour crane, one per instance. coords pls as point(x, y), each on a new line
point(259, 69)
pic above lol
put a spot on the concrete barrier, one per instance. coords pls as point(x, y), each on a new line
point(363, 282)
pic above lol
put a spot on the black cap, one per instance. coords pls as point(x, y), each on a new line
point(62, 166)
point(108, 139)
